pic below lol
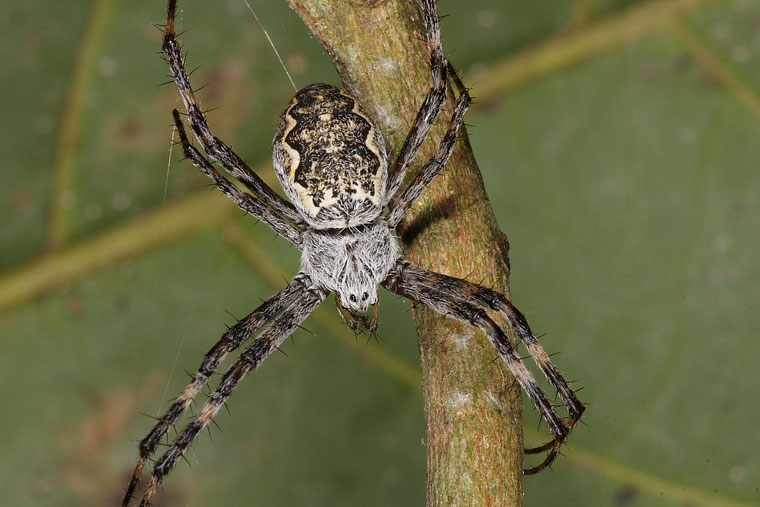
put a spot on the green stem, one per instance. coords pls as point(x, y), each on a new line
point(473, 407)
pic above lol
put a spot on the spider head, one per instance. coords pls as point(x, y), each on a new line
point(357, 299)
point(360, 321)
point(351, 263)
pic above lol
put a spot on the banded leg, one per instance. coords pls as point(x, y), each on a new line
point(431, 106)
point(245, 201)
point(230, 341)
point(457, 298)
point(251, 358)
point(215, 147)
point(483, 296)
point(400, 204)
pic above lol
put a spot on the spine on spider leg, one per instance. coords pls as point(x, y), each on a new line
point(473, 406)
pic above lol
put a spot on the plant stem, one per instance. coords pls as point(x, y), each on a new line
point(473, 407)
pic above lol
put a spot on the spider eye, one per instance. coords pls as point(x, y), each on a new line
point(365, 296)
point(352, 298)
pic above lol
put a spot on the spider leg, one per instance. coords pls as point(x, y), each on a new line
point(246, 201)
point(431, 106)
point(230, 341)
point(215, 147)
point(463, 300)
point(250, 359)
point(483, 296)
point(400, 204)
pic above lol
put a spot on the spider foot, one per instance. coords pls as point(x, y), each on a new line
point(551, 449)
point(149, 492)
point(133, 482)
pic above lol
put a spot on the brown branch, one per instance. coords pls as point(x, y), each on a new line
point(473, 407)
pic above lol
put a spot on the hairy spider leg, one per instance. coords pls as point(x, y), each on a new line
point(230, 341)
point(244, 200)
point(489, 298)
point(250, 359)
point(213, 146)
point(431, 107)
point(457, 298)
point(574, 406)
point(400, 204)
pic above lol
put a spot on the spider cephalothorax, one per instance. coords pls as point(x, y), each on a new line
point(332, 163)
point(351, 262)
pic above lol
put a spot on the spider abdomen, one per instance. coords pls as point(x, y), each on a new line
point(350, 262)
point(330, 158)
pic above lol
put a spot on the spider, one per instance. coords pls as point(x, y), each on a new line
point(331, 160)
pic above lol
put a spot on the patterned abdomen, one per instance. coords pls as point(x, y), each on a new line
point(330, 158)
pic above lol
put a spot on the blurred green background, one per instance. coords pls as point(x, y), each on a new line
point(619, 145)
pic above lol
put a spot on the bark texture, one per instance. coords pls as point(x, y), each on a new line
point(473, 407)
